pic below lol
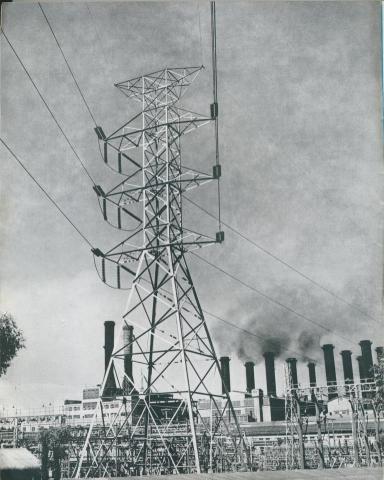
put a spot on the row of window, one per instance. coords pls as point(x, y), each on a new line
point(92, 406)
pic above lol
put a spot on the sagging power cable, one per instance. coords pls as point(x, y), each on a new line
point(283, 262)
point(49, 109)
point(45, 192)
point(69, 67)
point(271, 299)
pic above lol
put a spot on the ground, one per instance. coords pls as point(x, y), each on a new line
point(347, 473)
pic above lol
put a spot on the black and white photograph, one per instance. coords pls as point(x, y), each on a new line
point(191, 243)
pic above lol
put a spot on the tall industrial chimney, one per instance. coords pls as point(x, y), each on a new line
point(250, 376)
point(109, 341)
point(128, 370)
point(225, 375)
point(361, 369)
point(292, 370)
point(346, 356)
point(367, 360)
point(270, 373)
point(330, 370)
point(312, 374)
point(379, 354)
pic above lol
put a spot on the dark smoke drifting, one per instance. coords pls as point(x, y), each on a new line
point(269, 331)
point(307, 344)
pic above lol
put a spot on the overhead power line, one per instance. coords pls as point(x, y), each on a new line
point(227, 322)
point(49, 109)
point(248, 332)
point(69, 68)
point(45, 192)
point(271, 299)
point(215, 101)
point(283, 262)
point(198, 206)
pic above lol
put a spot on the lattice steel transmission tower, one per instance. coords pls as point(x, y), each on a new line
point(172, 359)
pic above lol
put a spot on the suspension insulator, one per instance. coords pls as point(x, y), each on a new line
point(217, 171)
point(220, 237)
point(214, 110)
point(103, 269)
point(118, 217)
point(105, 209)
point(118, 276)
point(105, 152)
point(100, 133)
point(119, 162)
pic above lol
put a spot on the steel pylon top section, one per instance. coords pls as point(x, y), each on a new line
point(146, 150)
point(175, 80)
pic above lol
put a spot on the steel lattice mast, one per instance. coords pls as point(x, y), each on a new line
point(171, 347)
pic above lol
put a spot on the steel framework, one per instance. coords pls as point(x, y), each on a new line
point(158, 428)
point(360, 397)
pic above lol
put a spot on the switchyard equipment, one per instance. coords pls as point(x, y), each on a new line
point(299, 399)
point(171, 346)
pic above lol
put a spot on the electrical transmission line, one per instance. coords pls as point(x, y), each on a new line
point(237, 232)
point(283, 262)
point(248, 332)
point(45, 192)
point(277, 302)
point(49, 109)
point(198, 206)
point(69, 68)
point(57, 206)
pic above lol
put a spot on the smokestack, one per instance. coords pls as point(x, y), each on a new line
point(225, 375)
point(379, 354)
point(367, 360)
point(128, 370)
point(330, 370)
point(109, 341)
point(292, 369)
point(250, 376)
point(270, 372)
point(312, 374)
point(346, 356)
point(360, 362)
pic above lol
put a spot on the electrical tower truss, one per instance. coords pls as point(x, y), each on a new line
point(164, 362)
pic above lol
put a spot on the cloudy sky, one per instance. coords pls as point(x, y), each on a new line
point(300, 145)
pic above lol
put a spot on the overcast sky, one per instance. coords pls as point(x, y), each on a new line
point(300, 145)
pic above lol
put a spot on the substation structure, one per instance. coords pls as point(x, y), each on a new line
point(158, 428)
point(362, 450)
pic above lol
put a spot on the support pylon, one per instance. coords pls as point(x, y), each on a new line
point(158, 428)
